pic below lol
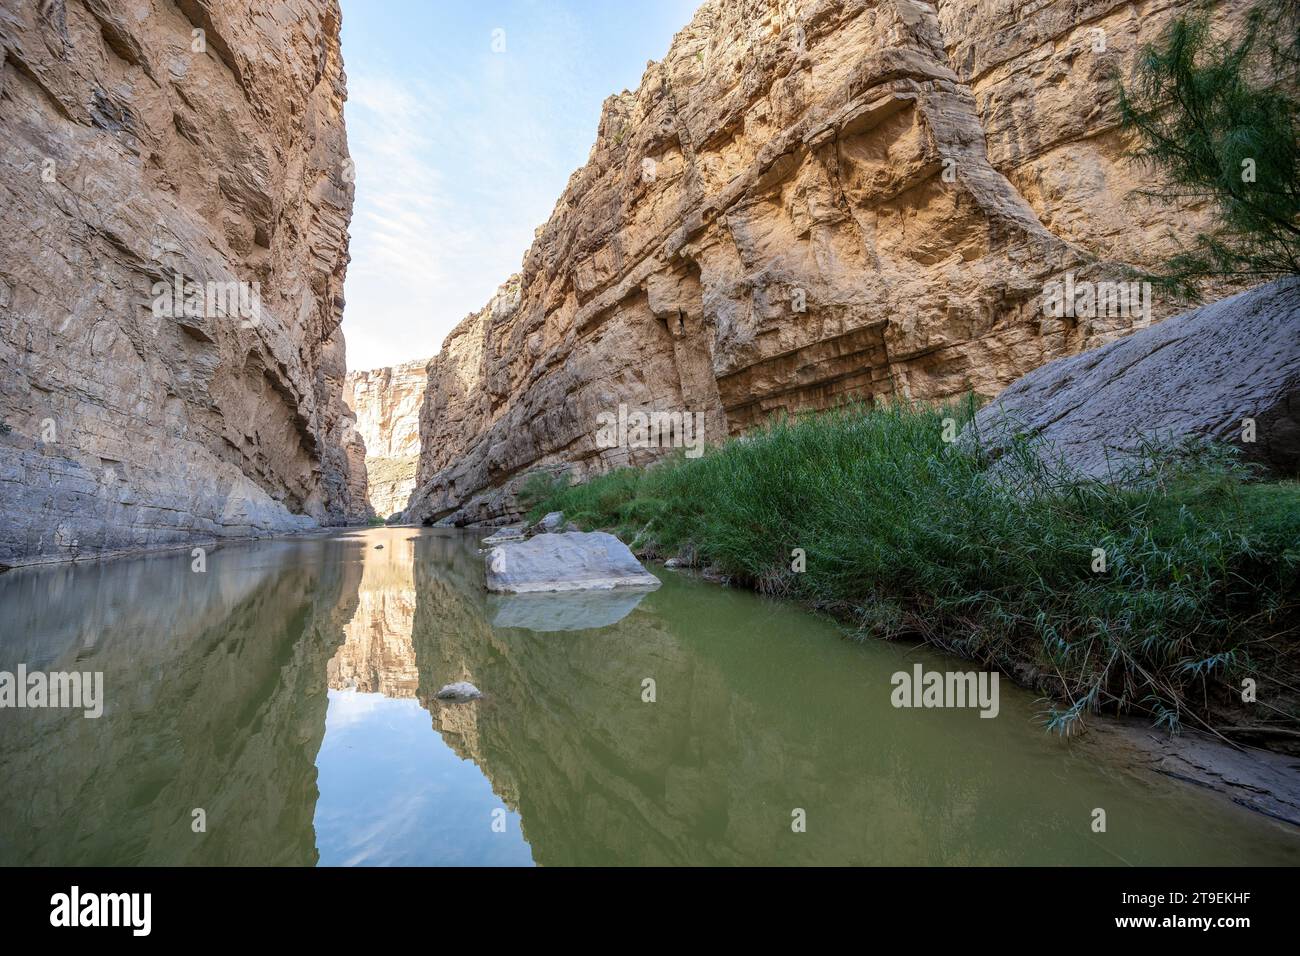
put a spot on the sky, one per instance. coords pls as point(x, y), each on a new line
point(465, 120)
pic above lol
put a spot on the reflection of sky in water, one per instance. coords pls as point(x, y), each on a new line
point(393, 793)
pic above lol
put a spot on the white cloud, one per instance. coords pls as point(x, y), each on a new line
point(460, 154)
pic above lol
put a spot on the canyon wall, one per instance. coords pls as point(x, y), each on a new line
point(807, 201)
point(175, 191)
point(387, 403)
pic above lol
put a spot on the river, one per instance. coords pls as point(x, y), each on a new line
point(277, 707)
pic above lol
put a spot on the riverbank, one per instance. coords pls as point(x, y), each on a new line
point(1156, 592)
point(208, 544)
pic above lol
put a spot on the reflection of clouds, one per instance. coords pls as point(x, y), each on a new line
point(348, 707)
point(380, 843)
point(392, 793)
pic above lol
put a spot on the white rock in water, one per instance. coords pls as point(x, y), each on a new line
point(459, 691)
point(572, 561)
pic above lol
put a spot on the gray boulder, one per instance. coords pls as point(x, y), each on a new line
point(551, 522)
point(1200, 374)
point(459, 692)
point(572, 561)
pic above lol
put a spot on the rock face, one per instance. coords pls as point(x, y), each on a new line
point(387, 404)
point(572, 561)
point(176, 191)
point(1229, 371)
point(803, 202)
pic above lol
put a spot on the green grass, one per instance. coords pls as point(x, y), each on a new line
point(907, 535)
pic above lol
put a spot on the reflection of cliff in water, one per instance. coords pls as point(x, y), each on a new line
point(376, 656)
point(760, 710)
point(215, 699)
point(450, 609)
point(218, 688)
point(708, 774)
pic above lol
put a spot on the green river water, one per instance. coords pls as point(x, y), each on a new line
point(287, 693)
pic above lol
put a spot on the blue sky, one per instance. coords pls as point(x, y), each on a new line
point(394, 793)
point(461, 151)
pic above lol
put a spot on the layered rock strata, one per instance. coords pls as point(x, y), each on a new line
point(802, 203)
point(175, 191)
point(387, 403)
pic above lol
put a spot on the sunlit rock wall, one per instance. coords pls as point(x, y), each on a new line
point(807, 201)
point(387, 403)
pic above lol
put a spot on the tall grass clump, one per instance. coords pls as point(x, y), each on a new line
point(908, 535)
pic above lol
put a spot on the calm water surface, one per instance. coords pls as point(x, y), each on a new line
point(288, 693)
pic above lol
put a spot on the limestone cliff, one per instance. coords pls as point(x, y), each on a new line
point(175, 191)
point(387, 403)
point(804, 201)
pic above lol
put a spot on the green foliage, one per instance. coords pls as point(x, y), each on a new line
point(1217, 122)
point(907, 535)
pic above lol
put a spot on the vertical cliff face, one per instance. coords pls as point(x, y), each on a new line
point(805, 201)
point(176, 191)
point(387, 403)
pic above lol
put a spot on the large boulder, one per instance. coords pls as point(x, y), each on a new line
point(1202, 374)
point(550, 522)
point(572, 561)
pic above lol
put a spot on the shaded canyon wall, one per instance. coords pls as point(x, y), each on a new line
point(145, 143)
point(803, 202)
